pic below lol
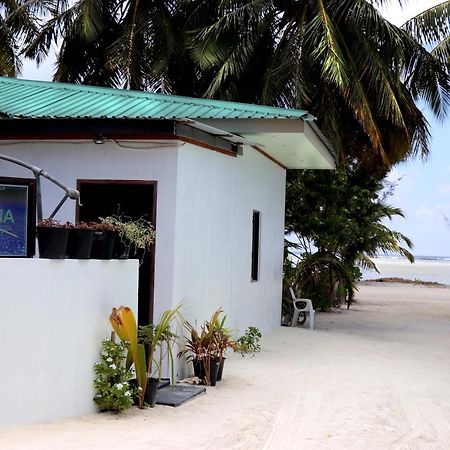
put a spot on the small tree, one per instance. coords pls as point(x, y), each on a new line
point(337, 218)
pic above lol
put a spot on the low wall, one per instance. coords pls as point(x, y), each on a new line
point(54, 314)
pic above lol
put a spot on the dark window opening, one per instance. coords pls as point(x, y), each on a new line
point(129, 198)
point(255, 245)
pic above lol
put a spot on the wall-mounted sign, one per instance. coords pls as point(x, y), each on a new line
point(15, 217)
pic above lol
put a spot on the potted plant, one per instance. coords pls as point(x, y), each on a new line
point(194, 349)
point(143, 350)
point(223, 340)
point(124, 324)
point(52, 238)
point(80, 240)
point(140, 234)
point(158, 341)
point(206, 348)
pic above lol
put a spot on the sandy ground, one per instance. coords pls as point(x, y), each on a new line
point(374, 377)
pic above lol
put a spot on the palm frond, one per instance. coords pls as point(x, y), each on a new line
point(430, 26)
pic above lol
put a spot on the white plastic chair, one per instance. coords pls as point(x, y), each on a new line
point(307, 309)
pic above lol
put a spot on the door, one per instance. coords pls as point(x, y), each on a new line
point(135, 199)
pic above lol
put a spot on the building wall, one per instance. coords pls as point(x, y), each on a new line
point(205, 202)
point(72, 160)
point(216, 196)
point(54, 317)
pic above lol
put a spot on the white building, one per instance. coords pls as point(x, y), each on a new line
point(209, 174)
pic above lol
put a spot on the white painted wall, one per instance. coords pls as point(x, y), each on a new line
point(54, 317)
point(205, 202)
point(72, 160)
point(216, 196)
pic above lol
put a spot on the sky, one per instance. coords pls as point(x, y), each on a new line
point(423, 188)
point(423, 192)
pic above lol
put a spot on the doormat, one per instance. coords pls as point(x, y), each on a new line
point(178, 394)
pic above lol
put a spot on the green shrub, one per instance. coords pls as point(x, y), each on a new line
point(113, 390)
point(249, 341)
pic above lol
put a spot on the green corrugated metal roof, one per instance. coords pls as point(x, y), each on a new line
point(42, 99)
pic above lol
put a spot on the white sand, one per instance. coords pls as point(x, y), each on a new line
point(374, 377)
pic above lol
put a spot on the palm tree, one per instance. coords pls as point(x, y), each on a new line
point(341, 60)
point(132, 44)
point(432, 28)
point(19, 21)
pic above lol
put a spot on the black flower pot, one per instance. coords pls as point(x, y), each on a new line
point(150, 391)
point(161, 384)
point(213, 371)
point(199, 368)
point(103, 245)
point(121, 250)
point(220, 372)
point(79, 244)
point(52, 242)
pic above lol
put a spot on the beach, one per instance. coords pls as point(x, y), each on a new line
point(374, 377)
point(433, 269)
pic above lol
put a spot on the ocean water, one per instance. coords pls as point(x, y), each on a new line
point(425, 268)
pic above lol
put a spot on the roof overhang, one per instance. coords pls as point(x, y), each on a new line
point(294, 143)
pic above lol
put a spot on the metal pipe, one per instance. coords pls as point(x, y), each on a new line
point(38, 198)
point(69, 192)
point(58, 206)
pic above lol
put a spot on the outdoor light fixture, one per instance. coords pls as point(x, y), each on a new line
point(99, 139)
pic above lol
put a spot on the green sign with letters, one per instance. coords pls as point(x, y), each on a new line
point(13, 220)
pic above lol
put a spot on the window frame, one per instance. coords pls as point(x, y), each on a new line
point(30, 183)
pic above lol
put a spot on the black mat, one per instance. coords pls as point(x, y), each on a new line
point(178, 394)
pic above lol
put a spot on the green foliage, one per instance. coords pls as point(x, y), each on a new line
point(249, 341)
point(431, 27)
point(19, 25)
point(315, 276)
point(158, 340)
point(140, 233)
point(113, 391)
point(303, 54)
point(337, 221)
point(340, 60)
point(209, 343)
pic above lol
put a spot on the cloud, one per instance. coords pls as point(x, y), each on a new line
point(398, 14)
point(443, 189)
point(403, 181)
point(426, 211)
point(438, 212)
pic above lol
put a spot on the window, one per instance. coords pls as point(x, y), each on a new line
point(255, 245)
